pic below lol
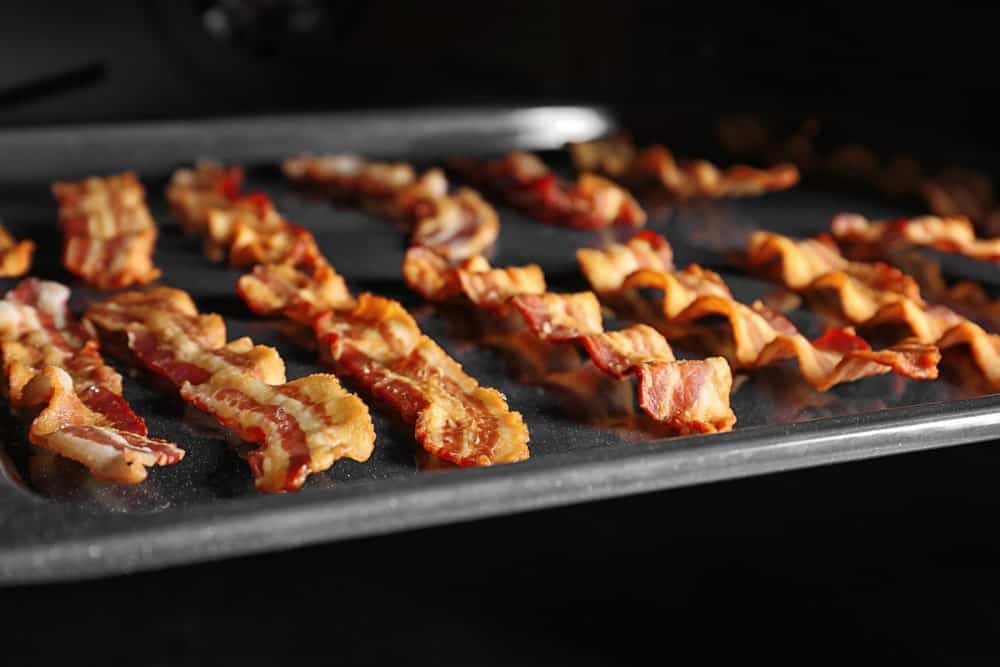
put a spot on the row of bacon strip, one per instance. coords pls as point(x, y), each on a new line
point(686, 396)
point(370, 338)
point(756, 336)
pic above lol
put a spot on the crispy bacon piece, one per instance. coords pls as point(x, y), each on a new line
point(688, 397)
point(759, 336)
point(656, 166)
point(289, 276)
point(298, 294)
point(607, 269)
point(109, 233)
point(873, 240)
point(66, 426)
point(526, 183)
point(869, 303)
point(192, 193)
point(15, 256)
point(456, 420)
point(797, 263)
point(54, 371)
point(454, 226)
point(303, 426)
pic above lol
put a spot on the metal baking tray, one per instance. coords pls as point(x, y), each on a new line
point(206, 507)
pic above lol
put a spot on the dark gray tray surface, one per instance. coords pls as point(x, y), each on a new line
point(206, 507)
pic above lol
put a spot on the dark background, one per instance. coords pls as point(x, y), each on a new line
point(884, 560)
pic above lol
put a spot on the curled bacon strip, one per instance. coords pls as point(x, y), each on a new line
point(109, 233)
point(454, 226)
point(687, 396)
point(870, 303)
point(303, 426)
point(15, 256)
point(871, 240)
point(53, 369)
point(655, 165)
point(456, 419)
point(759, 336)
point(797, 263)
point(526, 183)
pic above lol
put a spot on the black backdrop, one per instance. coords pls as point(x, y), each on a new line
point(885, 560)
point(65, 61)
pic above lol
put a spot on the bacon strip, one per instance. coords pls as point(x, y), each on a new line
point(869, 303)
point(303, 426)
point(15, 256)
point(456, 419)
point(655, 165)
point(380, 344)
point(109, 235)
point(759, 336)
point(192, 193)
point(454, 226)
point(53, 370)
point(872, 240)
point(289, 276)
point(687, 396)
point(797, 263)
point(524, 182)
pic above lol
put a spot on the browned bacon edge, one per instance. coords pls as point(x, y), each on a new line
point(524, 182)
point(54, 371)
point(869, 239)
point(687, 396)
point(109, 234)
point(656, 166)
point(759, 336)
point(866, 303)
point(455, 419)
point(303, 426)
point(15, 256)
